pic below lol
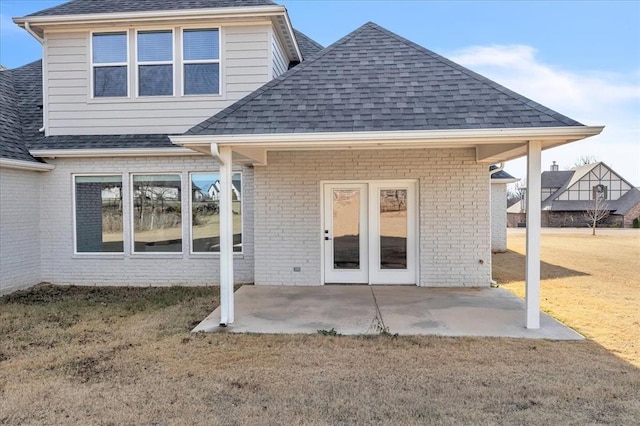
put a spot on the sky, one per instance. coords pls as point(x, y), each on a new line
point(580, 58)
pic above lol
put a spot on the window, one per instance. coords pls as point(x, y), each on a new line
point(109, 63)
point(155, 63)
point(201, 62)
point(205, 212)
point(98, 214)
point(157, 213)
point(600, 192)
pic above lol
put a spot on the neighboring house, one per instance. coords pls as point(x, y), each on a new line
point(365, 162)
point(568, 195)
point(499, 181)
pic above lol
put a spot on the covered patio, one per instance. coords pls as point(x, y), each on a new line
point(405, 310)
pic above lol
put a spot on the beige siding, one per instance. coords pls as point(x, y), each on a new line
point(280, 61)
point(453, 220)
point(20, 229)
point(71, 111)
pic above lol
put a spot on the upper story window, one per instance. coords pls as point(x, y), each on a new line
point(109, 64)
point(201, 61)
point(155, 63)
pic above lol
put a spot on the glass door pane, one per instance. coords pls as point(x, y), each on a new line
point(346, 228)
point(393, 228)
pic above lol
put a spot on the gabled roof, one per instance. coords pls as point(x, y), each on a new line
point(555, 179)
point(82, 7)
point(307, 46)
point(374, 80)
point(12, 144)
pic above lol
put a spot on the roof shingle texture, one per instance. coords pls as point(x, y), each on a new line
point(308, 47)
point(12, 144)
point(501, 174)
point(374, 80)
point(82, 7)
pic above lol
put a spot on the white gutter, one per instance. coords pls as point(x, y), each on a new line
point(27, 27)
point(499, 169)
point(488, 136)
point(227, 12)
point(123, 152)
point(26, 165)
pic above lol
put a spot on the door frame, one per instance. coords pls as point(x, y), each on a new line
point(369, 182)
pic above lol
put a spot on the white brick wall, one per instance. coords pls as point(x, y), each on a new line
point(19, 230)
point(498, 217)
point(60, 265)
point(454, 211)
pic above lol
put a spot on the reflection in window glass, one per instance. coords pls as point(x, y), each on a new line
point(109, 60)
point(157, 213)
point(393, 229)
point(98, 214)
point(205, 212)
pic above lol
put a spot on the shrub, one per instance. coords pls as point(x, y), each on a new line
point(636, 222)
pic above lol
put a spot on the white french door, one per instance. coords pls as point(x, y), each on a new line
point(370, 232)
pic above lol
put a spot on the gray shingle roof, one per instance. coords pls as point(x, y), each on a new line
point(101, 142)
point(12, 144)
point(81, 7)
point(501, 174)
point(374, 80)
point(308, 47)
point(555, 179)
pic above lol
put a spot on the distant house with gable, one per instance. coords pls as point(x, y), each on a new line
point(567, 195)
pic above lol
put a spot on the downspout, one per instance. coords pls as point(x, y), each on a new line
point(27, 27)
point(500, 168)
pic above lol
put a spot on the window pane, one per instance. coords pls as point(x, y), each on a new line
point(109, 48)
point(201, 45)
point(99, 214)
point(110, 81)
point(201, 79)
point(157, 213)
point(393, 229)
point(155, 80)
point(155, 46)
point(205, 214)
point(346, 229)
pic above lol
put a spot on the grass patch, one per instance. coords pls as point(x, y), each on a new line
point(590, 283)
point(78, 355)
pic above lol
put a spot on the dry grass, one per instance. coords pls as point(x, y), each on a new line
point(125, 356)
point(591, 283)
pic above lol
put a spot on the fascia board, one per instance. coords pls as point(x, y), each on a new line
point(475, 136)
point(26, 165)
point(122, 152)
point(227, 12)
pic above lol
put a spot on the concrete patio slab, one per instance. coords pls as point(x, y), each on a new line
point(405, 310)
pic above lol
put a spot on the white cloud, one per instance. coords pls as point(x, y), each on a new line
point(591, 97)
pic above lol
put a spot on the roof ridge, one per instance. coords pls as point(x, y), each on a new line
point(275, 82)
point(516, 96)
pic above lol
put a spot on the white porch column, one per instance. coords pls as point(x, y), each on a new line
point(532, 275)
point(226, 237)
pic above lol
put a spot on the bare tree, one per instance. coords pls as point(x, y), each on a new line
point(516, 193)
point(598, 208)
point(583, 160)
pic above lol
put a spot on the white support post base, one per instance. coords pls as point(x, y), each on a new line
point(226, 238)
point(532, 273)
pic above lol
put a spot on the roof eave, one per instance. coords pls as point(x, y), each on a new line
point(505, 144)
point(25, 165)
point(226, 12)
point(111, 152)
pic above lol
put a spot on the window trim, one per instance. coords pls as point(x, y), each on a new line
point(119, 254)
point(184, 61)
point(138, 63)
point(242, 218)
point(168, 254)
point(92, 66)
